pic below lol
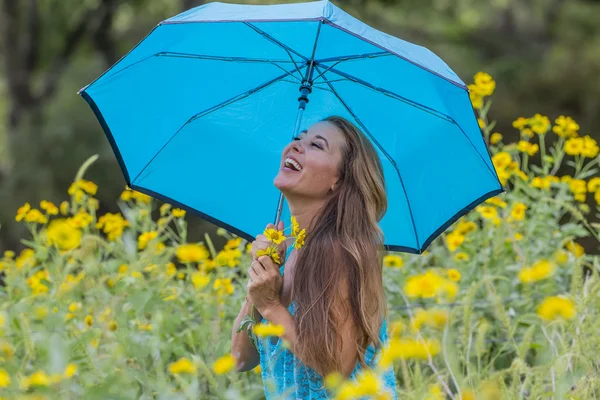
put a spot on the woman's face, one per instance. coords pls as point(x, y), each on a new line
point(317, 154)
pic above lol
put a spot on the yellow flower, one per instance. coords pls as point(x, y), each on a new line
point(465, 227)
point(540, 183)
point(187, 253)
point(540, 124)
point(112, 325)
point(87, 186)
point(593, 184)
point(70, 371)
point(271, 252)
point(136, 274)
point(224, 364)
point(556, 307)
point(487, 212)
point(274, 235)
point(520, 123)
point(590, 147)
point(368, 383)
point(527, 133)
point(561, 256)
point(233, 244)
point(484, 83)
point(481, 123)
point(26, 258)
point(178, 213)
point(565, 127)
point(182, 366)
point(300, 239)
point(518, 236)
point(574, 146)
point(144, 327)
point(540, 270)
point(262, 330)
point(88, 320)
point(295, 226)
point(164, 208)
point(433, 318)
point(63, 235)
point(73, 307)
point(126, 195)
point(435, 393)
point(223, 285)
point(501, 160)
point(454, 275)
point(4, 379)
point(462, 256)
point(518, 211)
point(49, 207)
point(35, 215)
point(428, 285)
point(496, 201)
point(495, 138)
point(112, 225)
point(141, 197)
point(80, 220)
point(145, 238)
point(408, 349)
point(392, 260)
point(597, 196)
point(200, 280)
point(333, 380)
point(527, 147)
point(38, 378)
point(396, 328)
point(575, 248)
point(476, 99)
point(454, 240)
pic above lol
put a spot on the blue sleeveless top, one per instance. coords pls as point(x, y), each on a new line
point(286, 377)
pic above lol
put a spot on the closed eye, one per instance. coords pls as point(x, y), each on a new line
point(313, 143)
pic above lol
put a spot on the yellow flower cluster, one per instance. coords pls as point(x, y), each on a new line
point(41, 379)
point(542, 269)
point(63, 235)
point(434, 318)
point(484, 86)
point(555, 307)
point(585, 146)
point(565, 127)
point(539, 124)
point(188, 253)
point(367, 385)
point(408, 348)
point(223, 364)
point(429, 285)
point(182, 366)
point(139, 197)
point(393, 261)
point(506, 167)
point(527, 147)
point(112, 225)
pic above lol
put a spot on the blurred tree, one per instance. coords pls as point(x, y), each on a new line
point(543, 54)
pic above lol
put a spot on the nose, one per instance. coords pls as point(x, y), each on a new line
point(296, 145)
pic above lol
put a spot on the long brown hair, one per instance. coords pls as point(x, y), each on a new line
point(344, 244)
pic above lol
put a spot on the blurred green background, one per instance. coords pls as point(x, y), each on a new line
point(543, 54)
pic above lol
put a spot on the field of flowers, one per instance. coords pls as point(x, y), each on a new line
point(504, 305)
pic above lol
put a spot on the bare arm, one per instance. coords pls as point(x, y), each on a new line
point(246, 356)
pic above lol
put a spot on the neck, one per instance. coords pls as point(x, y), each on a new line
point(304, 210)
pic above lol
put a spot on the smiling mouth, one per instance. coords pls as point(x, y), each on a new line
point(291, 165)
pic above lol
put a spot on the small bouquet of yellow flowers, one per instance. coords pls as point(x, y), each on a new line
point(275, 237)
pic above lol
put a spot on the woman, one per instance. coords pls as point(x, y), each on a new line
point(330, 300)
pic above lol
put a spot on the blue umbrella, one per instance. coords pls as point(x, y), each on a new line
point(218, 91)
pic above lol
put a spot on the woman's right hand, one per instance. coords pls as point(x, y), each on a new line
point(262, 243)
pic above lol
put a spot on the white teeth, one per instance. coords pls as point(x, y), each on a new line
point(293, 163)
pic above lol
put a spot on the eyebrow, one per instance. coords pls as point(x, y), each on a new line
point(316, 136)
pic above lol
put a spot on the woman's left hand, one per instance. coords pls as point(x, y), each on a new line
point(264, 286)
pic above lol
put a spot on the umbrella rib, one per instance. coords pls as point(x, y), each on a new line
point(211, 109)
point(395, 96)
point(277, 42)
point(387, 155)
point(355, 57)
point(233, 59)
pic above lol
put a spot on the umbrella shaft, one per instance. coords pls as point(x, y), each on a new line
point(305, 90)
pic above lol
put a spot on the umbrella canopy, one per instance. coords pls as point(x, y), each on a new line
point(200, 110)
